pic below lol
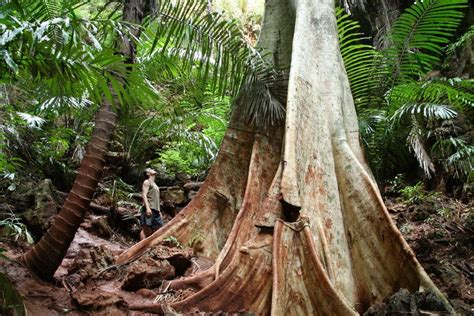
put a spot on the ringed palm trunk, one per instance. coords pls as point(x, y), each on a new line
point(46, 256)
point(292, 215)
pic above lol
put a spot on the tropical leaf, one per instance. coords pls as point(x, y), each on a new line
point(419, 36)
point(429, 111)
point(214, 48)
point(461, 41)
point(358, 58)
point(458, 93)
point(417, 145)
point(459, 155)
point(31, 120)
point(399, 97)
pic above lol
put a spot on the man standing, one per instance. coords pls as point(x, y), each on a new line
point(150, 218)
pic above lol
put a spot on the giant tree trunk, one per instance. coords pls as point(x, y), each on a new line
point(292, 215)
point(46, 256)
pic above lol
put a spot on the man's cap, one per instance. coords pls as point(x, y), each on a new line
point(150, 170)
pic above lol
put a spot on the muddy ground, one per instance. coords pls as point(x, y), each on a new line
point(440, 230)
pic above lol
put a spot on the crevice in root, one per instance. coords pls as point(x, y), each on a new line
point(291, 213)
point(180, 264)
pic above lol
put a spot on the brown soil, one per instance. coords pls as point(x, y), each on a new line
point(88, 282)
point(440, 231)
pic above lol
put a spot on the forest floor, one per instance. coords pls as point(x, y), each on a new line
point(440, 230)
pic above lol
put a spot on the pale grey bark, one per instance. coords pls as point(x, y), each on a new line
point(312, 235)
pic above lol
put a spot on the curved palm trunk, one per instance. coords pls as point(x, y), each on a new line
point(309, 233)
point(46, 256)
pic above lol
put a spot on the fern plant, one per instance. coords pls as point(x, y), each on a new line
point(358, 57)
point(397, 98)
point(63, 62)
point(419, 36)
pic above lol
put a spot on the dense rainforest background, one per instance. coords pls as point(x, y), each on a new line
point(172, 72)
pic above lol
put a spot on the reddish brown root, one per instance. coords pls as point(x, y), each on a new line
point(301, 285)
point(196, 282)
point(206, 222)
point(375, 242)
point(245, 260)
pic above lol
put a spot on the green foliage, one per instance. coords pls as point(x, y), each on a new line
point(418, 38)
point(173, 241)
point(185, 126)
point(11, 302)
point(2, 256)
point(214, 48)
point(117, 190)
point(206, 41)
point(57, 69)
point(358, 57)
point(416, 194)
point(196, 242)
point(460, 157)
point(6, 166)
point(401, 100)
point(61, 57)
point(50, 149)
point(194, 136)
point(68, 67)
point(396, 184)
point(175, 161)
point(451, 48)
point(12, 227)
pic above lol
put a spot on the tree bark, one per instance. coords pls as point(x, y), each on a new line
point(292, 216)
point(46, 256)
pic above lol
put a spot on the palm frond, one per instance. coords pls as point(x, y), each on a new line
point(428, 111)
point(358, 58)
point(461, 41)
point(419, 36)
point(58, 104)
point(215, 49)
point(81, 65)
point(263, 98)
point(456, 154)
point(454, 93)
point(417, 145)
point(43, 10)
point(397, 101)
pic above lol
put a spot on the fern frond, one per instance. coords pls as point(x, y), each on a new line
point(419, 36)
point(455, 154)
point(215, 49)
point(461, 41)
point(358, 58)
point(417, 145)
